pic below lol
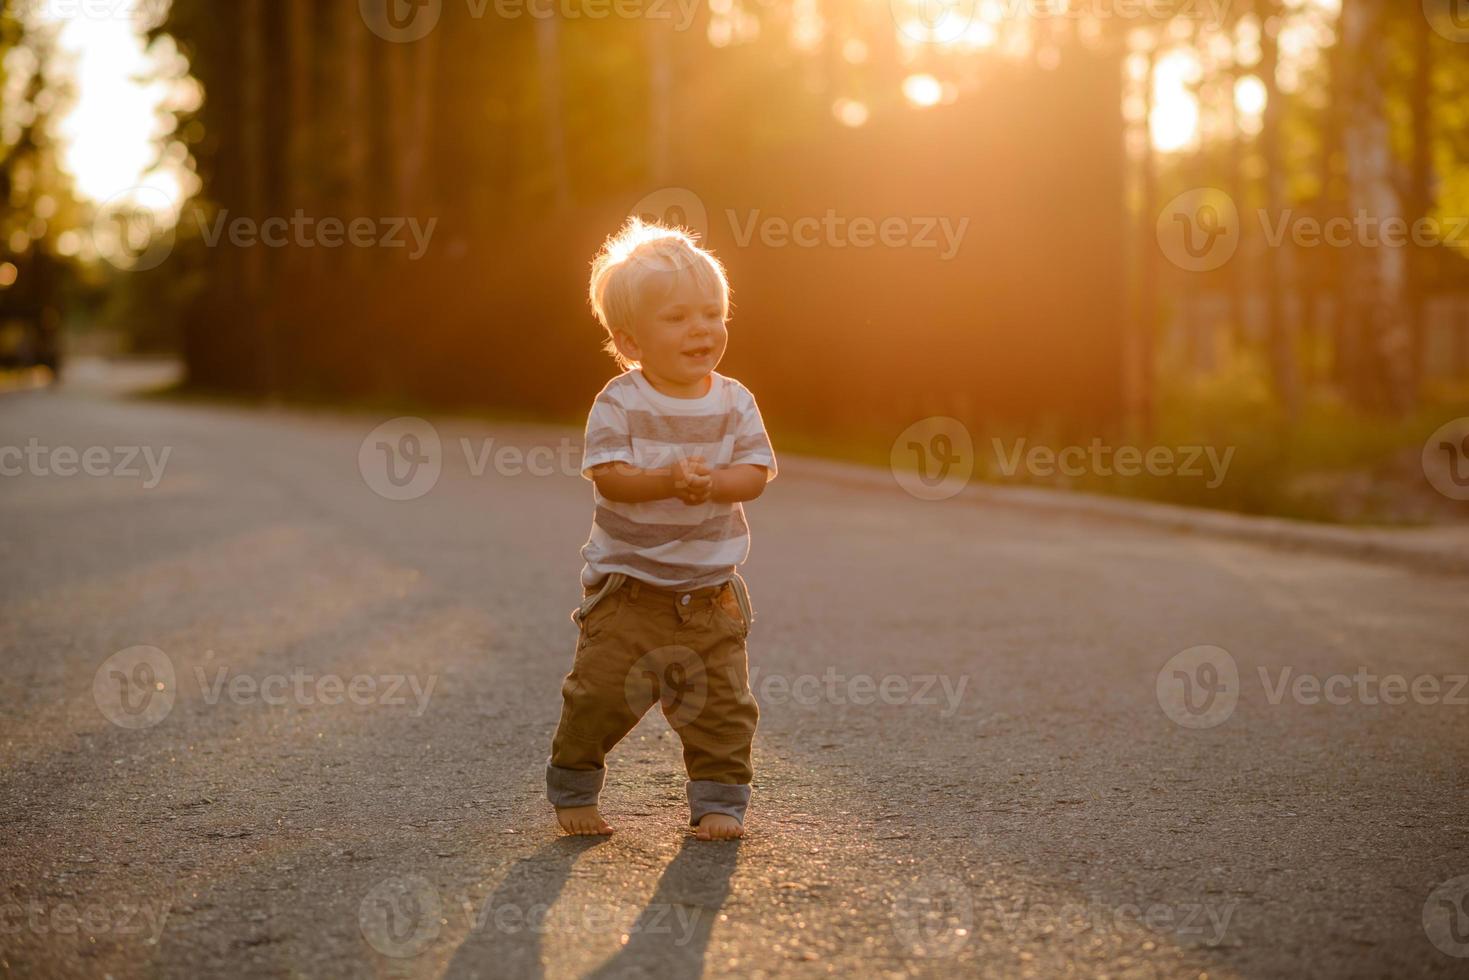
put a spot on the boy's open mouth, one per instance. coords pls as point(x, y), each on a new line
point(698, 352)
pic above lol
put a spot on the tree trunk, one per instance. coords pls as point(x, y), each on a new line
point(1420, 192)
point(1239, 277)
point(357, 118)
point(252, 139)
point(1141, 343)
point(548, 58)
point(1380, 274)
point(1280, 326)
point(660, 85)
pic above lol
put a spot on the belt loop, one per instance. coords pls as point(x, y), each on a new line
point(612, 584)
point(637, 587)
point(742, 596)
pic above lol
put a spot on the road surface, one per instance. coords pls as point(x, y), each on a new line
point(968, 761)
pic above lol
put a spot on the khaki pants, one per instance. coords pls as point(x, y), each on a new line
point(640, 645)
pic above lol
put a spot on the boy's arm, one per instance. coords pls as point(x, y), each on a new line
point(627, 484)
point(743, 481)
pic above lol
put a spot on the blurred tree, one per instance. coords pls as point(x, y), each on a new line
point(1280, 324)
point(1381, 374)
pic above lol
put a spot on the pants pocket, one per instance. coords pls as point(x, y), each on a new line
point(728, 605)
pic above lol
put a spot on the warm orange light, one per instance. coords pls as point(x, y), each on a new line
point(1250, 96)
point(923, 90)
point(849, 112)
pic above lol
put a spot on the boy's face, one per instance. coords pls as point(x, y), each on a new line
point(679, 335)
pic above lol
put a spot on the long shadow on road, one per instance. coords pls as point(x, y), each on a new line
point(669, 939)
point(671, 936)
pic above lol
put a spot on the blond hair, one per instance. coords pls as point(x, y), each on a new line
point(637, 250)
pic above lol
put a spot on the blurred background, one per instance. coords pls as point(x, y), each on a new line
point(1241, 224)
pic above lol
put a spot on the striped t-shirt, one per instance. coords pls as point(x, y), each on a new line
point(667, 542)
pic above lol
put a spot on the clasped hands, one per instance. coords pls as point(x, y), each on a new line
point(693, 480)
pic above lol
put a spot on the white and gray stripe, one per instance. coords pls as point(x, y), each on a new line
point(667, 542)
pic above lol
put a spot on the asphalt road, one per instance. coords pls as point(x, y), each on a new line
point(967, 763)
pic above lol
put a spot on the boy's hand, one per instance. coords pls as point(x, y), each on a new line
point(693, 481)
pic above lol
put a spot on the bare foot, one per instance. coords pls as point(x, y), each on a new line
point(719, 826)
point(582, 820)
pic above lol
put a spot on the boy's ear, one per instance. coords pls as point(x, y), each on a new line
point(627, 345)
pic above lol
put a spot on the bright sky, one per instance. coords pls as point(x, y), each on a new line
point(111, 131)
point(1187, 54)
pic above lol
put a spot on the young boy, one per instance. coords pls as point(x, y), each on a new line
point(673, 449)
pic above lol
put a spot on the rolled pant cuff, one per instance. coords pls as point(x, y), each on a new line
point(573, 787)
point(707, 796)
